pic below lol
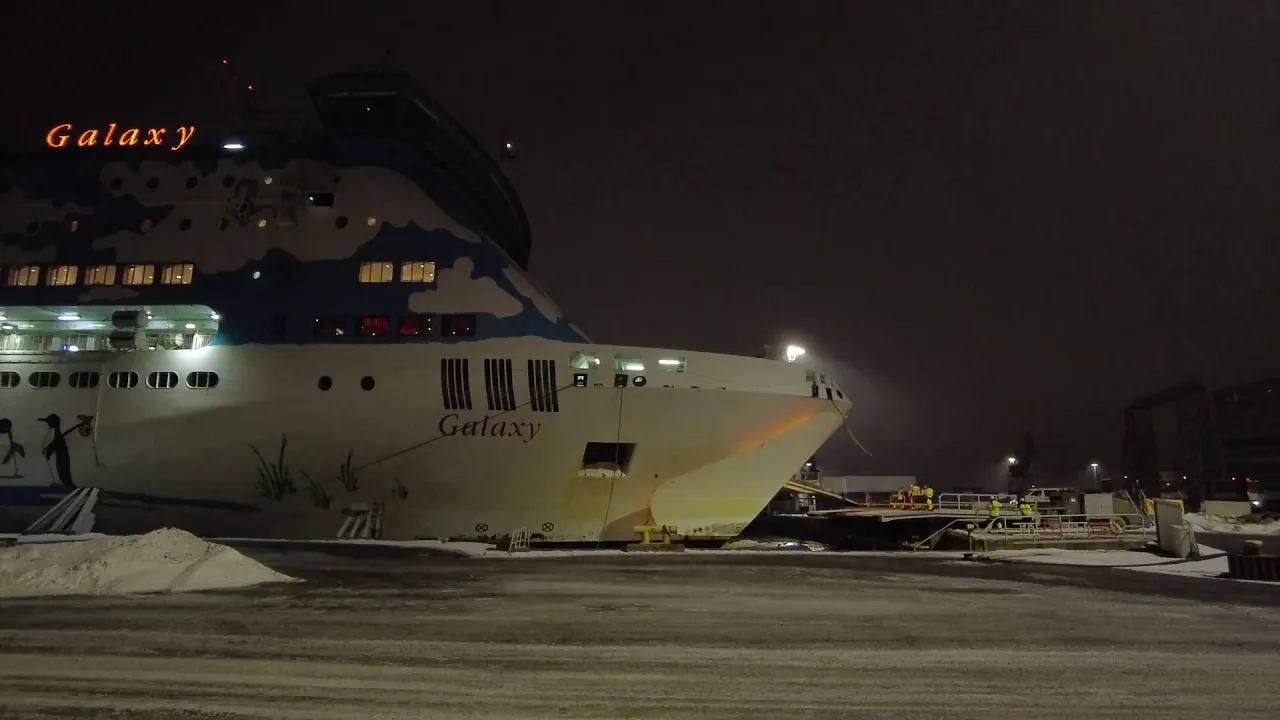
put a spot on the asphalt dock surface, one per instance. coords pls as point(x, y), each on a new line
point(385, 633)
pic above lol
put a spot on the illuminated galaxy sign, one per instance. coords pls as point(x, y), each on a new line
point(64, 136)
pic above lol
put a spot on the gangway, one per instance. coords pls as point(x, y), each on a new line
point(73, 515)
point(804, 487)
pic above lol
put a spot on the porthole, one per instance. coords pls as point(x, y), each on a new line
point(324, 383)
point(153, 183)
point(162, 380)
point(44, 379)
point(366, 383)
point(83, 379)
point(639, 380)
point(228, 181)
point(116, 183)
point(340, 221)
point(202, 380)
point(191, 182)
point(10, 379)
point(185, 224)
point(122, 380)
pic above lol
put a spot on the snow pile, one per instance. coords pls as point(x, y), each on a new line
point(1241, 526)
point(167, 560)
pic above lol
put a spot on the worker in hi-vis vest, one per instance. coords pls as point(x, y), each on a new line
point(928, 497)
point(1027, 511)
point(994, 513)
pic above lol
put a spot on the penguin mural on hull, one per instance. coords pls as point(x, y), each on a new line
point(9, 465)
point(56, 448)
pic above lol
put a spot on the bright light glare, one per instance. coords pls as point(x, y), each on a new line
point(73, 348)
point(1012, 460)
point(664, 361)
point(68, 317)
point(793, 352)
point(633, 367)
point(191, 326)
point(1093, 465)
point(232, 146)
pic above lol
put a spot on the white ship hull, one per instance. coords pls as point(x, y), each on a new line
point(267, 453)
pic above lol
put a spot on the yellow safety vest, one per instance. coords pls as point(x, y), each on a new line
point(1026, 509)
point(995, 508)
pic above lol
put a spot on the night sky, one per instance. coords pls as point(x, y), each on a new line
point(982, 217)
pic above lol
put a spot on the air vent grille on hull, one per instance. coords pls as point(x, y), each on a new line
point(542, 386)
point(455, 385)
point(498, 389)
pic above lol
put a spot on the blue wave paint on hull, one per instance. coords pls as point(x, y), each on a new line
point(19, 496)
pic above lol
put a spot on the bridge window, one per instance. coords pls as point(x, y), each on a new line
point(458, 325)
point(139, 274)
point(162, 380)
point(415, 325)
point(377, 272)
point(24, 276)
point(100, 275)
point(373, 326)
point(62, 275)
point(418, 272)
point(177, 274)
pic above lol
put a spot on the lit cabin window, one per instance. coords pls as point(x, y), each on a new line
point(671, 364)
point(100, 275)
point(418, 272)
point(178, 274)
point(24, 276)
point(418, 325)
point(139, 274)
point(377, 272)
point(584, 361)
point(62, 275)
point(623, 363)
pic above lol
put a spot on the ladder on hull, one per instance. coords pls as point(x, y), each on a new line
point(364, 522)
point(73, 515)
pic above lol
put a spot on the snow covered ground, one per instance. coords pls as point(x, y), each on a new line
point(1213, 562)
point(1217, 524)
point(390, 634)
point(167, 560)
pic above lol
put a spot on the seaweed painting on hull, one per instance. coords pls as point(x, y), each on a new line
point(274, 480)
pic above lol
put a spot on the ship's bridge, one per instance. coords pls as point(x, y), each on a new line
point(362, 111)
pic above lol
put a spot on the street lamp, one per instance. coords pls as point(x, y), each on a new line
point(1094, 466)
point(1011, 460)
point(794, 352)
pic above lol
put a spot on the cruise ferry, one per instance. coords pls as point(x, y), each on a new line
point(260, 336)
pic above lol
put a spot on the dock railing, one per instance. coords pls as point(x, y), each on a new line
point(1063, 527)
